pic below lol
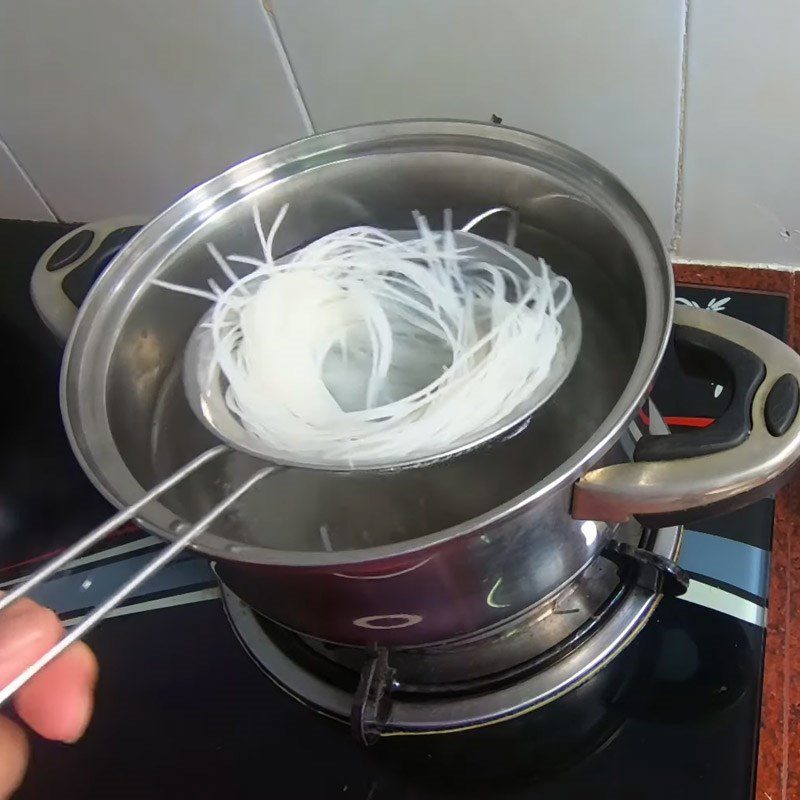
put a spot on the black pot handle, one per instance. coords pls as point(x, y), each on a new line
point(68, 268)
point(744, 456)
point(708, 355)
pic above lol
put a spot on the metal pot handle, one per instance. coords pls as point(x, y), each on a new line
point(743, 456)
point(66, 271)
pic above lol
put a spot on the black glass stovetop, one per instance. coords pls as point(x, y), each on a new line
point(182, 711)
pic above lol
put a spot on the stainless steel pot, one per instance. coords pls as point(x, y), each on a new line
point(431, 554)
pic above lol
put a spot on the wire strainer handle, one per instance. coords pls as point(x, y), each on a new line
point(140, 577)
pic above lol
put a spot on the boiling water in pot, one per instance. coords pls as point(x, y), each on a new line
point(311, 510)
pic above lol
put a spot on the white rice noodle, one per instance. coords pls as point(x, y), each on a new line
point(362, 346)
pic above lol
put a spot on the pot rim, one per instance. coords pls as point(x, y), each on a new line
point(87, 358)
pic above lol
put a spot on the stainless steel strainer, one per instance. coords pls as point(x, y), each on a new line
point(206, 399)
point(205, 387)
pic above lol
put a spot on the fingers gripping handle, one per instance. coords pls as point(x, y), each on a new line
point(124, 591)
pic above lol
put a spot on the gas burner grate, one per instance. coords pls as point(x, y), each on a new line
point(374, 689)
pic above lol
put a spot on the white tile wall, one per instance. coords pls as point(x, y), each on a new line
point(18, 199)
point(119, 107)
point(602, 76)
point(741, 196)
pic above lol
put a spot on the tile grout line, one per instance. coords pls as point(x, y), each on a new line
point(677, 210)
point(27, 178)
point(288, 70)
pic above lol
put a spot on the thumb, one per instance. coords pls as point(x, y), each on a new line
point(13, 757)
point(57, 702)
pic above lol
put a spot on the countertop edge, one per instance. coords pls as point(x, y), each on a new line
point(778, 767)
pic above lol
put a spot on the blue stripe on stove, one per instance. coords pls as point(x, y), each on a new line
point(735, 563)
point(66, 593)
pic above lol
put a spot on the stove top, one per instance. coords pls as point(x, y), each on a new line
point(183, 711)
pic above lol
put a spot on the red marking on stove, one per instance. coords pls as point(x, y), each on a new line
point(681, 422)
point(128, 527)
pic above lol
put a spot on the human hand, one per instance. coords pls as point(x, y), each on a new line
point(57, 702)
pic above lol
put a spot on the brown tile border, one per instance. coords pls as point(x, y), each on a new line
point(773, 765)
point(778, 772)
point(790, 773)
point(764, 280)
